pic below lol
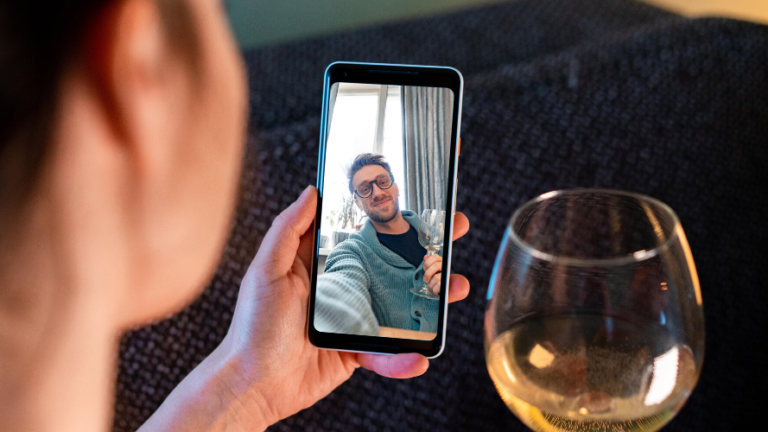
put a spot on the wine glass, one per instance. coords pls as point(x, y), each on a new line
point(431, 237)
point(594, 320)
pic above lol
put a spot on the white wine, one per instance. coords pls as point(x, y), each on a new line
point(591, 373)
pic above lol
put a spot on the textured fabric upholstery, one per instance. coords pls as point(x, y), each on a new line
point(558, 94)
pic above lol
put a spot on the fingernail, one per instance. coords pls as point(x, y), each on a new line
point(305, 193)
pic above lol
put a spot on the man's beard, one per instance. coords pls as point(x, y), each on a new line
point(376, 217)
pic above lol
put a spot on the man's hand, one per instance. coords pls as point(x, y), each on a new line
point(266, 369)
point(433, 266)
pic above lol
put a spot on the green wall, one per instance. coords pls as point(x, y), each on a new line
point(260, 23)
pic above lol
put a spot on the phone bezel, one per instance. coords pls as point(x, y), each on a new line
point(388, 74)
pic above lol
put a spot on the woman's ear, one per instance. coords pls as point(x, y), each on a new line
point(127, 56)
point(123, 103)
point(149, 144)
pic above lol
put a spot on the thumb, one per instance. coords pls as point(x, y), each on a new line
point(395, 366)
point(279, 248)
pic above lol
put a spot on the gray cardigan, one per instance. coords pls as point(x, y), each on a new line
point(366, 285)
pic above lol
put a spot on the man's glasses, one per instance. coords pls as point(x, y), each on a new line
point(384, 181)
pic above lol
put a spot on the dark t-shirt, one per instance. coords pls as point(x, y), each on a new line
point(406, 245)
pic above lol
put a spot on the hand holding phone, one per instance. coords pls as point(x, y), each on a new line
point(266, 365)
point(266, 369)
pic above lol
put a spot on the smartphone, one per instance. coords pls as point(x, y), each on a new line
point(387, 192)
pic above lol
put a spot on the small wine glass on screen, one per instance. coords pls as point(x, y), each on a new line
point(594, 320)
point(431, 237)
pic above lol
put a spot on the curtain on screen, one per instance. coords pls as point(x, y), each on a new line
point(427, 113)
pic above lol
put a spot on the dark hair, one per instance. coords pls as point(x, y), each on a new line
point(365, 159)
point(38, 43)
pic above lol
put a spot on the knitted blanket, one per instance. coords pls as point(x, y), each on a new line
point(558, 94)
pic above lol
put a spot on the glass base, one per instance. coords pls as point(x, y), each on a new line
point(426, 293)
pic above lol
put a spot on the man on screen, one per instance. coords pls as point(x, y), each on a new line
point(367, 279)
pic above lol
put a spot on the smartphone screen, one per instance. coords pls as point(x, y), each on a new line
point(384, 223)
